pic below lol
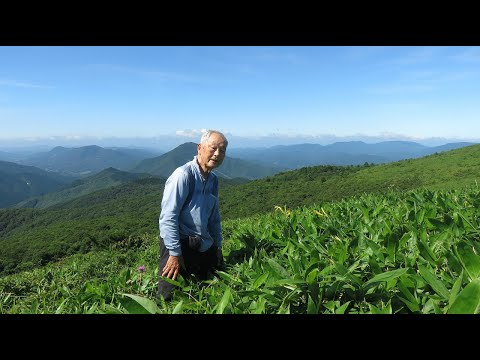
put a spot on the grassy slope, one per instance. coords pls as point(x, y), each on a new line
point(307, 186)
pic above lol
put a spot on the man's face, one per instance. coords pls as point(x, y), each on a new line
point(212, 154)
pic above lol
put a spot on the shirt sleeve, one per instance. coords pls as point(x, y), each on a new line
point(174, 195)
point(214, 222)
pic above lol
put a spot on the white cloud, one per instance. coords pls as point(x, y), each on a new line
point(393, 135)
point(190, 132)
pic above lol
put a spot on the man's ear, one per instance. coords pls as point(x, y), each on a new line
point(198, 147)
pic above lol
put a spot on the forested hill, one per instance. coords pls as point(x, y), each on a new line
point(18, 182)
point(102, 180)
point(121, 214)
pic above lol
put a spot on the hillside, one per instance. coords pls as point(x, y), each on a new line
point(411, 252)
point(19, 182)
point(124, 212)
point(102, 180)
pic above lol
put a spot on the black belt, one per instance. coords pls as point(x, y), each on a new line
point(193, 242)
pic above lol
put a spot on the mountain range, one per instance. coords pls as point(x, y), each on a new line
point(165, 164)
point(340, 153)
point(85, 160)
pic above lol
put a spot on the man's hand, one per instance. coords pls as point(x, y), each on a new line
point(172, 267)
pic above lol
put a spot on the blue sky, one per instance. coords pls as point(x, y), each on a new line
point(107, 91)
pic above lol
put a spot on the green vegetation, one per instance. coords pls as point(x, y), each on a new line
point(401, 252)
point(91, 222)
point(19, 182)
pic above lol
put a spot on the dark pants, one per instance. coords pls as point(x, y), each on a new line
point(197, 263)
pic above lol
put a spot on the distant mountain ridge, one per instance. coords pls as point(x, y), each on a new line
point(340, 153)
point(85, 160)
point(251, 163)
point(165, 164)
point(8, 156)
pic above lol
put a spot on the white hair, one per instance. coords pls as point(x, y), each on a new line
point(206, 136)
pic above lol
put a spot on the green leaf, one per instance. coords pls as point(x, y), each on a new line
point(426, 252)
point(228, 277)
point(260, 306)
point(60, 307)
point(34, 307)
point(224, 302)
point(290, 281)
point(419, 216)
point(312, 276)
point(410, 300)
point(433, 281)
point(455, 289)
point(404, 239)
point(465, 221)
point(468, 300)
point(365, 214)
point(109, 309)
point(277, 268)
point(374, 309)
point(386, 276)
point(438, 224)
point(341, 309)
point(412, 306)
point(173, 282)
point(260, 280)
point(392, 247)
point(135, 304)
point(311, 307)
point(470, 260)
point(178, 308)
point(388, 309)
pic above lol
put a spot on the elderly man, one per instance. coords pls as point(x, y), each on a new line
point(190, 229)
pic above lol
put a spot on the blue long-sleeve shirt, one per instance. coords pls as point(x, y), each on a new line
point(200, 216)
